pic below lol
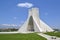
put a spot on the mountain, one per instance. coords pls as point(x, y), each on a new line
point(9, 26)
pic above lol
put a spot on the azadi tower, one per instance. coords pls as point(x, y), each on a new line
point(34, 23)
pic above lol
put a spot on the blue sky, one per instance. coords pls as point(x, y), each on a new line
point(10, 13)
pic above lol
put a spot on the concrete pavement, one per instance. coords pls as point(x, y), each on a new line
point(48, 37)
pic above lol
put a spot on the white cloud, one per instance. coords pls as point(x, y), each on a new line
point(6, 24)
point(27, 5)
point(9, 24)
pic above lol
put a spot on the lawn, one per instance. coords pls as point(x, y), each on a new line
point(31, 36)
point(53, 33)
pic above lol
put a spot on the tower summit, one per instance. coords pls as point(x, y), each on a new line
point(34, 23)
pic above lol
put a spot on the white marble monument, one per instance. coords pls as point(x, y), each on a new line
point(34, 23)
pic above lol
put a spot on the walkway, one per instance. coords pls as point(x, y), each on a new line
point(48, 37)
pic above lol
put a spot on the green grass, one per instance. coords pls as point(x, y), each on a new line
point(31, 36)
point(57, 34)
